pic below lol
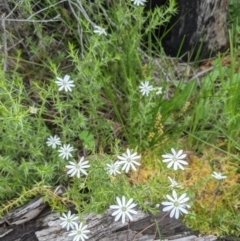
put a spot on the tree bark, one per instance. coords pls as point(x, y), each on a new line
point(198, 30)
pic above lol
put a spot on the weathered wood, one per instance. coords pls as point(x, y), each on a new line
point(102, 227)
point(47, 226)
point(198, 26)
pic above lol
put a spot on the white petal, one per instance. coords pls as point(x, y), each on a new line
point(118, 216)
point(126, 167)
point(173, 151)
point(132, 211)
point(117, 212)
point(119, 202)
point(123, 217)
point(114, 207)
point(171, 198)
point(132, 206)
point(167, 160)
point(168, 203)
point(170, 164)
point(123, 201)
point(71, 171)
point(128, 152)
point(167, 208)
point(175, 166)
point(129, 202)
point(132, 166)
point(179, 153)
point(177, 213)
point(78, 173)
point(182, 156)
point(136, 163)
point(174, 194)
point(122, 158)
point(181, 198)
point(84, 172)
point(168, 156)
point(172, 212)
point(129, 216)
point(183, 210)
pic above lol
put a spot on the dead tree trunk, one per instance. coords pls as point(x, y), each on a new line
point(198, 30)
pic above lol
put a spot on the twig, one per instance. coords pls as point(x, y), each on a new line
point(29, 19)
point(7, 232)
point(107, 17)
point(55, 19)
point(4, 42)
point(79, 26)
point(128, 230)
point(53, 5)
point(201, 73)
point(82, 10)
point(19, 42)
point(11, 11)
point(79, 6)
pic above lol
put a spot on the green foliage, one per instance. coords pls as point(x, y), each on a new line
point(106, 70)
point(88, 139)
point(216, 110)
point(233, 22)
point(105, 112)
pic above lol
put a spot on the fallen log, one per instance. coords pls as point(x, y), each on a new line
point(36, 222)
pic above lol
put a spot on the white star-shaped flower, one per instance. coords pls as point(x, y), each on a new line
point(175, 159)
point(77, 168)
point(113, 168)
point(174, 184)
point(159, 91)
point(65, 151)
point(123, 209)
point(176, 205)
point(218, 176)
point(139, 2)
point(33, 110)
point(145, 88)
point(53, 141)
point(65, 83)
point(69, 220)
point(79, 232)
point(100, 31)
point(129, 160)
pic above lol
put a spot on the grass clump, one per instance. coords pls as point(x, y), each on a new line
point(83, 78)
